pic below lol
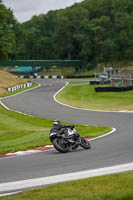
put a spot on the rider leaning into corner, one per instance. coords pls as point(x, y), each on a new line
point(65, 139)
point(59, 128)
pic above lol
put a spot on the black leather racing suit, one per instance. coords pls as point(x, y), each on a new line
point(59, 128)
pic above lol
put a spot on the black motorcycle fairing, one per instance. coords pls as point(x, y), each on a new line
point(68, 140)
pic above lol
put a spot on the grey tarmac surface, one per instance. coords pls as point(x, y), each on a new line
point(111, 150)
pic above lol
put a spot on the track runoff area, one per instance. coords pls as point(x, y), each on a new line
point(17, 186)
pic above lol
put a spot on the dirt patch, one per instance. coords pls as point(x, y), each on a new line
point(2, 91)
point(8, 80)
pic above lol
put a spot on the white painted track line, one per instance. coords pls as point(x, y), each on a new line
point(16, 95)
point(30, 183)
point(10, 193)
point(54, 97)
point(17, 185)
point(21, 153)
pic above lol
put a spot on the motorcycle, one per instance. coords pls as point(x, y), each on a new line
point(69, 140)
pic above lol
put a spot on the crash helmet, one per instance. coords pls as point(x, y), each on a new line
point(56, 122)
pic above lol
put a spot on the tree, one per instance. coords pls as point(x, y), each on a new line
point(7, 32)
point(93, 31)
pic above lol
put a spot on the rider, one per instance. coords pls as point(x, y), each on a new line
point(59, 128)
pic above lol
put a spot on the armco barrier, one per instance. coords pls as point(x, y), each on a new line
point(99, 82)
point(55, 76)
point(113, 89)
point(94, 82)
point(43, 77)
point(17, 87)
point(82, 76)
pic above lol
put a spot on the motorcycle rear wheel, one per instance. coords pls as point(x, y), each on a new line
point(85, 144)
point(59, 146)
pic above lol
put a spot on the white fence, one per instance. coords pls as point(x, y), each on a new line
point(20, 86)
point(43, 77)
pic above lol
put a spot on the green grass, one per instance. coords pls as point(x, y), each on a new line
point(21, 132)
point(19, 90)
point(85, 96)
point(77, 82)
point(110, 187)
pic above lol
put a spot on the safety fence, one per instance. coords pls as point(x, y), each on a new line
point(43, 77)
point(114, 89)
point(20, 86)
point(55, 76)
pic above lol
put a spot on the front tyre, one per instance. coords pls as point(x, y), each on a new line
point(60, 146)
point(85, 144)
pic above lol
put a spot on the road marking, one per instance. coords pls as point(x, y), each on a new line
point(4, 187)
point(54, 97)
point(27, 152)
point(39, 85)
point(30, 183)
point(16, 95)
point(113, 130)
point(10, 193)
point(46, 148)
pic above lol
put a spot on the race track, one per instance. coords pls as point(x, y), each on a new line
point(111, 150)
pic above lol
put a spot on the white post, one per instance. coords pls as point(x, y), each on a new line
point(9, 89)
point(130, 80)
point(12, 89)
point(15, 88)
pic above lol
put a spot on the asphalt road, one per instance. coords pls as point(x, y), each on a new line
point(111, 150)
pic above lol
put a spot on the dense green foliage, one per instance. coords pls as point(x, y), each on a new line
point(96, 31)
point(93, 31)
point(8, 32)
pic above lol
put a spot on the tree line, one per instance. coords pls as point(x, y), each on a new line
point(93, 31)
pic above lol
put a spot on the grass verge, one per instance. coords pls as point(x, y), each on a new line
point(19, 90)
point(21, 132)
point(85, 96)
point(8, 80)
point(110, 187)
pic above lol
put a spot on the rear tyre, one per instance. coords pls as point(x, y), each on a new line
point(85, 144)
point(59, 146)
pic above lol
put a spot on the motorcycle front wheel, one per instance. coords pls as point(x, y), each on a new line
point(60, 146)
point(85, 143)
